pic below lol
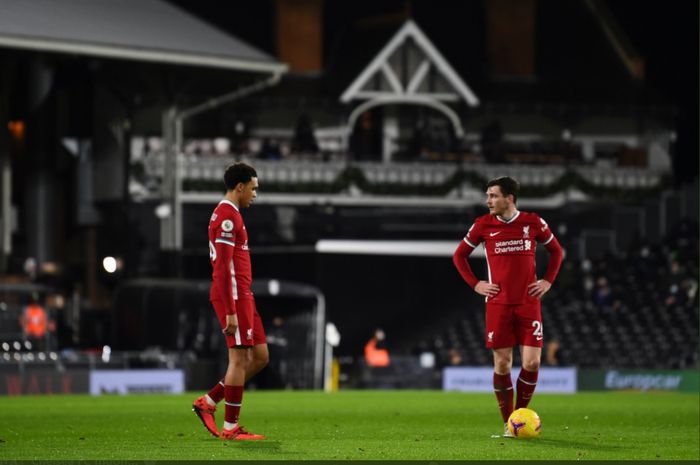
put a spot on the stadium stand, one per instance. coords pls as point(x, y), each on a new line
point(581, 133)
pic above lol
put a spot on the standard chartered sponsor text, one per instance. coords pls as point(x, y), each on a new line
point(513, 245)
point(510, 242)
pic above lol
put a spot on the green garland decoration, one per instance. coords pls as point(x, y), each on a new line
point(353, 175)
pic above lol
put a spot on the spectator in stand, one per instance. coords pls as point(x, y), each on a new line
point(376, 352)
point(270, 150)
point(492, 141)
point(602, 294)
point(552, 353)
point(36, 324)
point(278, 347)
point(304, 137)
point(454, 357)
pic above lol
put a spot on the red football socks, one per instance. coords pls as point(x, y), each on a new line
point(234, 397)
point(503, 387)
point(217, 392)
point(527, 382)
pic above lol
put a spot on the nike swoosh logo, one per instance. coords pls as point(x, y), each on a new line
point(493, 234)
point(539, 338)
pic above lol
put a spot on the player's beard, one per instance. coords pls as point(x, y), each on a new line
point(496, 211)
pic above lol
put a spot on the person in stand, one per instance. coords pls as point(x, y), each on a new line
point(36, 324)
point(234, 304)
point(512, 291)
point(376, 352)
point(278, 344)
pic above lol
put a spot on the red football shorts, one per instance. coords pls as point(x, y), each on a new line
point(510, 325)
point(250, 328)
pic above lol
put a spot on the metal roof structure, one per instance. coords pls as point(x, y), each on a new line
point(143, 30)
point(410, 66)
point(409, 70)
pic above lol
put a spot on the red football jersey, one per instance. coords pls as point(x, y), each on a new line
point(230, 258)
point(510, 252)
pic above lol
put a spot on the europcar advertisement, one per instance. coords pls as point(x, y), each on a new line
point(638, 380)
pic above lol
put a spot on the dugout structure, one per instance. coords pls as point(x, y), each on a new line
point(176, 315)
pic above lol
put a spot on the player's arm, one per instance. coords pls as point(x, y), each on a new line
point(461, 261)
point(556, 256)
point(224, 255)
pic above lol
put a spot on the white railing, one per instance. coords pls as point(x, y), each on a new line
point(210, 168)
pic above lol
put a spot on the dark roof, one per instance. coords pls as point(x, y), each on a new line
point(574, 61)
point(146, 30)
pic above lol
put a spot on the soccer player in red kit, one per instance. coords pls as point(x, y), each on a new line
point(233, 302)
point(512, 292)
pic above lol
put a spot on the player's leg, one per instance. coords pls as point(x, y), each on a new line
point(530, 337)
point(205, 406)
point(527, 379)
point(215, 394)
point(500, 339)
point(502, 382)
point(236, 374)
point(234, 379)
point(233, 384)
point(260, 355)
point(259, 358)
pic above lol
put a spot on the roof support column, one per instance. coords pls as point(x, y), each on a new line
point(170, 224)
point(173, 124)
point(40, 191)
point(5, 180)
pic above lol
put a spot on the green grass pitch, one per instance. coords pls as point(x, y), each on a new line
point(357, 425)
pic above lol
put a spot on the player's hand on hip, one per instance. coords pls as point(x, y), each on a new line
point(539, 288)
point(231, 325)
point(487, 289)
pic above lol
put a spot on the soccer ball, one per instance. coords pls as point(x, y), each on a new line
point(524, 423)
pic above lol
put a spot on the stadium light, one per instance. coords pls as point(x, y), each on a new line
point(163, 211)
point(17, 129)
point(111, 264)
point(273, 287)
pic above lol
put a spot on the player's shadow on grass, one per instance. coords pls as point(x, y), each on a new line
point(258, 446)
point(567, 444)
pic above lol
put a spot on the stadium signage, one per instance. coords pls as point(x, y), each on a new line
point(480, 379)
point(136, 381)
point(44, 381)
point(638, 380)
point(616, 380)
